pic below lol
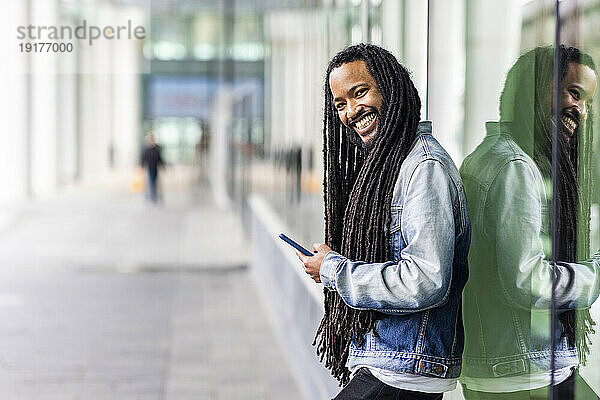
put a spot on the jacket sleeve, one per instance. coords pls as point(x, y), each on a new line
point(421, 278)
point(514, 214)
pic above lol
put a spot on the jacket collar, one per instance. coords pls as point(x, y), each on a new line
point(497, 128)
point(424, 127)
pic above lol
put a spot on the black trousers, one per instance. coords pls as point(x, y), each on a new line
point(573, 388)
point(365, 386)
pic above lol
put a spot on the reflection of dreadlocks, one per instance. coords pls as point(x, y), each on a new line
point(358, 185)
point(527, 103)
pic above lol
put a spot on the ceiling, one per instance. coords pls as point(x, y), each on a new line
point(195, 6)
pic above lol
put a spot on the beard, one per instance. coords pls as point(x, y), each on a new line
point(368, 146)
point(567, 142)
point(364, 147)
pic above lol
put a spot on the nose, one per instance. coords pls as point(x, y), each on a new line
point(581, 106)
point(353, 109)
point(583, 109)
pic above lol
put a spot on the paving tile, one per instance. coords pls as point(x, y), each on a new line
point(101, 308)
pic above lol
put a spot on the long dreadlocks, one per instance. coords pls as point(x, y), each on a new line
point(524, 101)
point(358, 188)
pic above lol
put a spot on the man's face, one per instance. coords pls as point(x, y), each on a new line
point(357, 98)
point(577, 90)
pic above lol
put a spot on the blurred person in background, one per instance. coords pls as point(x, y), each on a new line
point(397, 234)
point(152, 161)
point(508, 181)
point(202, 148)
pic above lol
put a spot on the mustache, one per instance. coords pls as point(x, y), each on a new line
point(572, 112)
point(361, 115)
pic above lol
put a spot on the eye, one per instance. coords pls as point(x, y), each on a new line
point(361, 92)
point(340, 106)
point(575, 93)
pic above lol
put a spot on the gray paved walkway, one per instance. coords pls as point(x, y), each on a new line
point(107, 298)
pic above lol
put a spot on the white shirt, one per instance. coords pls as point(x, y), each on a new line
point(417, 383)
point(516, 383)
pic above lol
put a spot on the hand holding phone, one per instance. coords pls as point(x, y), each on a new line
point(295, 245)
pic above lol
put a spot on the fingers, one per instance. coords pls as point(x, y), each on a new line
point(301, 256)
point(307, 269)
point(318, 246)
point(313, 275)
point(306, 261)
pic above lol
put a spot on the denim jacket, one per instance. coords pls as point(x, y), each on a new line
point(507, 299)
point(419, 290)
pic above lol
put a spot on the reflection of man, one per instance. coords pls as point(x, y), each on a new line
point(152, 161)
point(508, 179)
point(394, 201)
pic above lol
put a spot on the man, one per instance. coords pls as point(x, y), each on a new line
point(152, 160)
point(397, 235)
point(508, 181)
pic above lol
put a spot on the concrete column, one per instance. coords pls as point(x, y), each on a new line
point(415, 46)
point(287, 66)
point(492, 46)
point(97, 99)
point(43, 104)
point(110, 103)
point(67, 142)
point(319, 60)
point(364, 20)
point(297, 64)
point(392, 21)
point(275, 94)
point(220, 125)
point(126, 102)
point(14, 97)
point(446, 73)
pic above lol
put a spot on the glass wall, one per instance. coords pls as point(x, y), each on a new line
point(522, 133)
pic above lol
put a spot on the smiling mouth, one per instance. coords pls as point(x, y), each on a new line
point(570, 123)
point(365, 124)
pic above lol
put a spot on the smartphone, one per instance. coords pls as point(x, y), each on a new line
point(295, 245)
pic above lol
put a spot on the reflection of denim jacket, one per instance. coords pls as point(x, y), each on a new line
point(507, 299)
point(420, 289)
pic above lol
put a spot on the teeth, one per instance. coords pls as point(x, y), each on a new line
point(365, 121)
point(569, 122)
